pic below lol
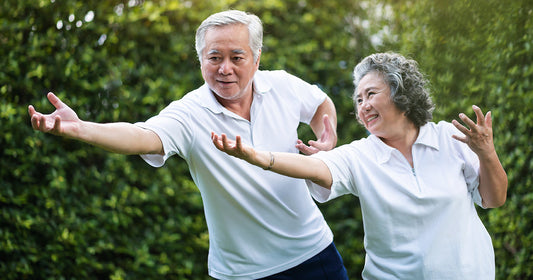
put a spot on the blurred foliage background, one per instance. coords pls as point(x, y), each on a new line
point(72, 211)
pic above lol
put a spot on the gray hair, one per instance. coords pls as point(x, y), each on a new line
point(255, 29)
point(409, 87)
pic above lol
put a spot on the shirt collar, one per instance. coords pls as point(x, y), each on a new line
point(208, 100)
point(427, 136)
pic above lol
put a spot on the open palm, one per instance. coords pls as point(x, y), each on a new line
point(63, 121)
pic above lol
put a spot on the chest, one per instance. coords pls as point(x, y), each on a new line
point(435, 181)
point(272, 126)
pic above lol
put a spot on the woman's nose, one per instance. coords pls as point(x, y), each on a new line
point(365, 105)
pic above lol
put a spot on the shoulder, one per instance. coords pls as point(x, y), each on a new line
point(443, 131)
point(445, 127)
point(191, 101)
point(440, 131)
point(272, 74)
point(276, 78)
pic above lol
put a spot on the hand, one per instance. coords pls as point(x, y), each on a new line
point(63, 121)
point(478, 136)
point(233, 148)
point(327, 141)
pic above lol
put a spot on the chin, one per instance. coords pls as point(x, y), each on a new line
point(228, 96)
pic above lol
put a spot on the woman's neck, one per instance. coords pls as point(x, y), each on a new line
point(403, 141)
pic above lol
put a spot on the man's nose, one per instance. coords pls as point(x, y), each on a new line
point(225, 68)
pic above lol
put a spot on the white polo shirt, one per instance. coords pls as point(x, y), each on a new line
point(260, 223)
point(419, 223)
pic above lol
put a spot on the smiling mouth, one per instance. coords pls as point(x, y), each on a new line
point(372, 118)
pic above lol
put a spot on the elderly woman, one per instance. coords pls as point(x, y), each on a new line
point(417, 181)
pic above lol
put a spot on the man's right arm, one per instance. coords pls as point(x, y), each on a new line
point(123, 138)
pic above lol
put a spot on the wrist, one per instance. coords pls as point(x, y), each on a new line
point(270, 162)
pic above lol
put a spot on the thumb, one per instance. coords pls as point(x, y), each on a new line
point(58, 104)
point(327, 125)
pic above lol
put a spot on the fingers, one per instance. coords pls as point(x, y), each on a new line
point(33, 117)
point(38, 122)
point(224, 144)
point(470, 123)
point(307, 150)
point(478, 135)
point(36, 118)
point(461, 127)
point(459, 138)
point(238, 143)
point(327, 140)
point(488, 119)
point(480, 119)
point(31, 110)
point(216, 141)
point(34, 122)
point(57, 124)
point(41, 123)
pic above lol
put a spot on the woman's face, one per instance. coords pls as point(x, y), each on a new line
point(375, 109)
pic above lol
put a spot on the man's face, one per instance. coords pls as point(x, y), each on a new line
point(228, 66)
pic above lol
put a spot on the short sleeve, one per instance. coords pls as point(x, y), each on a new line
point(343, 178)
point(471, 163)
point(310, 97)
point(172, 127)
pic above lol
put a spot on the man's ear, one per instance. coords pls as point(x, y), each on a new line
point(258, 59)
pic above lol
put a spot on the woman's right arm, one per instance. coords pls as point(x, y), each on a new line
point(288, 164)
point(123, 138)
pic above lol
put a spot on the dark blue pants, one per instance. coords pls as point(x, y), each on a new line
point(326, 265)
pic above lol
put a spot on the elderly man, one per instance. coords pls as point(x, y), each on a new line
point(261, 224)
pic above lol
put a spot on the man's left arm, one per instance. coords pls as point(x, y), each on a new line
point(324, 126)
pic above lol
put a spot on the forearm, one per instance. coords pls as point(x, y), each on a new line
point(122, 138)
point(316, 124)
point(492, 181)
point(294, 165)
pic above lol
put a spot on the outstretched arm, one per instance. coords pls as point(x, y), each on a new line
point(492, 176)
point(289, 164)
point(124, 138)
point(324, 126)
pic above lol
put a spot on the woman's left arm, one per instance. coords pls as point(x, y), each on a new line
point(492, 177)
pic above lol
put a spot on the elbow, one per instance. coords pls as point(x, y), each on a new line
point(323, 184)
point(503, 196)
point(322, 175)
point(497, 200)
point(494, 203)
